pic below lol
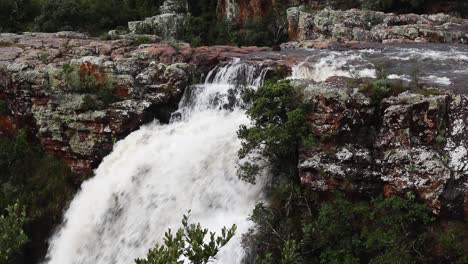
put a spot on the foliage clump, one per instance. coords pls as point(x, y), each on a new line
point(142, 40)
point(342, 230)
point(381, 89)
point(40, 183)
point(89, 78)
point(12, 236)
point(277, 130)
point(453, 241)
point(188, 242)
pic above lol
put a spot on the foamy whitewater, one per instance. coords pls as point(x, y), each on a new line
point(158, 173)
point(442, 66)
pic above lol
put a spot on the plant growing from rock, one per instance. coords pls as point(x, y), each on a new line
point(278, 129)
point(190, 243)
point(381, 89)
point(142, 40)
point(12, 236)
point(89, 78)
point(42, 183)
point(453, 242)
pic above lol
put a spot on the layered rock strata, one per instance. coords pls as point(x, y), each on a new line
point(410, 142)
point(370, 26)
point(76, 124)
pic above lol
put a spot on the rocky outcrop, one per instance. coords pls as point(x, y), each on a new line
point(43, 82)
point(369, 26)
point(170, 24)
point(410, 142)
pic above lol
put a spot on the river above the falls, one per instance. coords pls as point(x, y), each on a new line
point(439, 65)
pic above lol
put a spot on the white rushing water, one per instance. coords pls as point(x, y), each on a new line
point(437, 65)
point(158, 173)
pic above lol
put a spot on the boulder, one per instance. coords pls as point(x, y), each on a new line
point(169, 25)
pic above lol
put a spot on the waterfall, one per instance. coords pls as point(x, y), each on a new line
point(159, 172)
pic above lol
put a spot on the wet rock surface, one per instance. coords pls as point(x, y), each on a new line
point(75, 124)
point(170, 24)
point(410, 142)
point(370, 26)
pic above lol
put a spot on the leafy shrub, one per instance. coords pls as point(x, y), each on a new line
point(341, 230)
point(43, 184)
point(188, 242)
point(380, 89)
point(428, 91)
point(106, 36)
point(454, 243)
point(89, 78)
point(5, 43)
point(12, 236)
point(58, 15)
point(278, 128)
point(142, 40)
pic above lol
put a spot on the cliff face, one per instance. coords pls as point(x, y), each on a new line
point(369, 26)
point(409, 142)
point(38, 82)
point(241, 11)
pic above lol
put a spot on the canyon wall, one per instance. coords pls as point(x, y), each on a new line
point(416, 141)
point(370, 26)
point(241, 11)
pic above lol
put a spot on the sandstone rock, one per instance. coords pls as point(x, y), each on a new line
point(169, 25)
point(413, 142)
point(74, 124)
point(371, 26)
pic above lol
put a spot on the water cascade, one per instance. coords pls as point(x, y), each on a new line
point(159, 172)
point(442, 66)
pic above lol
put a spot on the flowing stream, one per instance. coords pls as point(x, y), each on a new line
point(159, 172)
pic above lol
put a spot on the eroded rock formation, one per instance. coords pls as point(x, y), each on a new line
point(369, 26)
point(75, 124)
point(169, 25)
point(409, 142)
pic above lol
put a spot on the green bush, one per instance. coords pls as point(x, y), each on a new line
point(89, 78)
point(381, 89)
point(188, 242)
point(341, 230)
point(278, 128)
point(12, 236)
point(41, 183)
point(142, 40)
point(454, 243)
